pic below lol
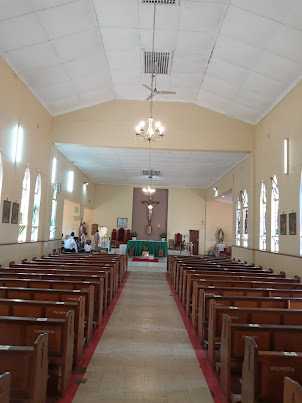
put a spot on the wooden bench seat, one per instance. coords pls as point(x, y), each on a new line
point(63, 285)
point(5, 387)
point(236, 291)
point(39, 294)
point(18, 331)
point(74, 269)
point(43, 274)
point(268, 337)
point(255, 280)
point(256, 301)
point(264, 370)
point(292, 391)
point(50, 309)
point(27, 363)
point(274, 316)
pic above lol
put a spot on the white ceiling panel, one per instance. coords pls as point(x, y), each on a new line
point(200, 16)
point(287, 43)
point(14, 8)
point(124, 166)
point(117, 13)
point(273, 9)
point(46, 77)
point(86, 66)
point(120, 40)
point(33, 57)
point(277, 67)
point(78, 45)
point(74, 53)
point(293, 18)
point(22, 31)
point(167, 16)
point(236, 52)
point(57, 22)
point(250, 28)
point(43, 4)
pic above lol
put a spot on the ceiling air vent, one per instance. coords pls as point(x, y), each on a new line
point(161, 60)
point(150, 172)
point(159, 1)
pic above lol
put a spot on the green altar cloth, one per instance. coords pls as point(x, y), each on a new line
point(153, 247)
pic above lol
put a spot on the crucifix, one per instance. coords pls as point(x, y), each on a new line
point(150, 204)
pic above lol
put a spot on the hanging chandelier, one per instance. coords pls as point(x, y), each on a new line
point(154, 130)
point(148, 191)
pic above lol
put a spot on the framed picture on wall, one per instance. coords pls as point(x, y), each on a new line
point(15, 213)
point(283, 229)
point(6, 211)
point(292, 224)
point(122, 222)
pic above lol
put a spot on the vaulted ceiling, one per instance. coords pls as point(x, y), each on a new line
point(236, 57)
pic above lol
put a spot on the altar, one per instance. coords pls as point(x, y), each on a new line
point(153, 247)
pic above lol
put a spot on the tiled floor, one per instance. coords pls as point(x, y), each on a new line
point(145, 354)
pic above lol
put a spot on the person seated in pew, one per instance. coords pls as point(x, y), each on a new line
point(70, 245)
point(88, 247)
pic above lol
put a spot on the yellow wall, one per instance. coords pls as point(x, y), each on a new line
point(186, 210)
point(19, 106)
point(188, 127)
point(218, 215)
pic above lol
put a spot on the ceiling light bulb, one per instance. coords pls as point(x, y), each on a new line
point(161, 129)
point(157, 125)
point(142, 124)
point(137, 129)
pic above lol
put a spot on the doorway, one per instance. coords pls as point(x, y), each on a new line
point(194, 238)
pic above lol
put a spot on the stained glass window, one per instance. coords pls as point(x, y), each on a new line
point(245, 219)
point(53, 212)
point(262, 231)
point(238, 217)
point(275, 216)
point(36, 209)
point(24, 207)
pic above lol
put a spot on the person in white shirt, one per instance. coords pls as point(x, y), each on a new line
point(88, 247)
point(70, 245)
point(83, 240)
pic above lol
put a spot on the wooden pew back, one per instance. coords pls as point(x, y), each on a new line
point(5, 387)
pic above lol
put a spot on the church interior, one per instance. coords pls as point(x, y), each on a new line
point(166, 136)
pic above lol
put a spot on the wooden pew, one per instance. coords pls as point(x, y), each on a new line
point(228, 282)
point(256, 301)
point(5, 387)
point(28, 366)
point(23, 331)
point(273, 316)
point(56, 296)
point(63, 285)
point(73, 270)
point(236, 291)
point(269, 337)
point(292, 391)
point(38, 273)
point(264, 370)
point(50, 309)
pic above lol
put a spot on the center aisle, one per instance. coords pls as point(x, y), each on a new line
point(144, 354)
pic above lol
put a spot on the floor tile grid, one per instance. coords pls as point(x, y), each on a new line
point(88, 353)
point(205, 366)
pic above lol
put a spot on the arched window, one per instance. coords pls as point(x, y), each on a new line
point(262, 238)
point(24, 206)
point(238, 217)
point(275, 215)
point(36, 209)
point(53, 212)
point(245, 236)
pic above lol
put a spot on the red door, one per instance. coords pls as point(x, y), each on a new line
point(194, 237)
